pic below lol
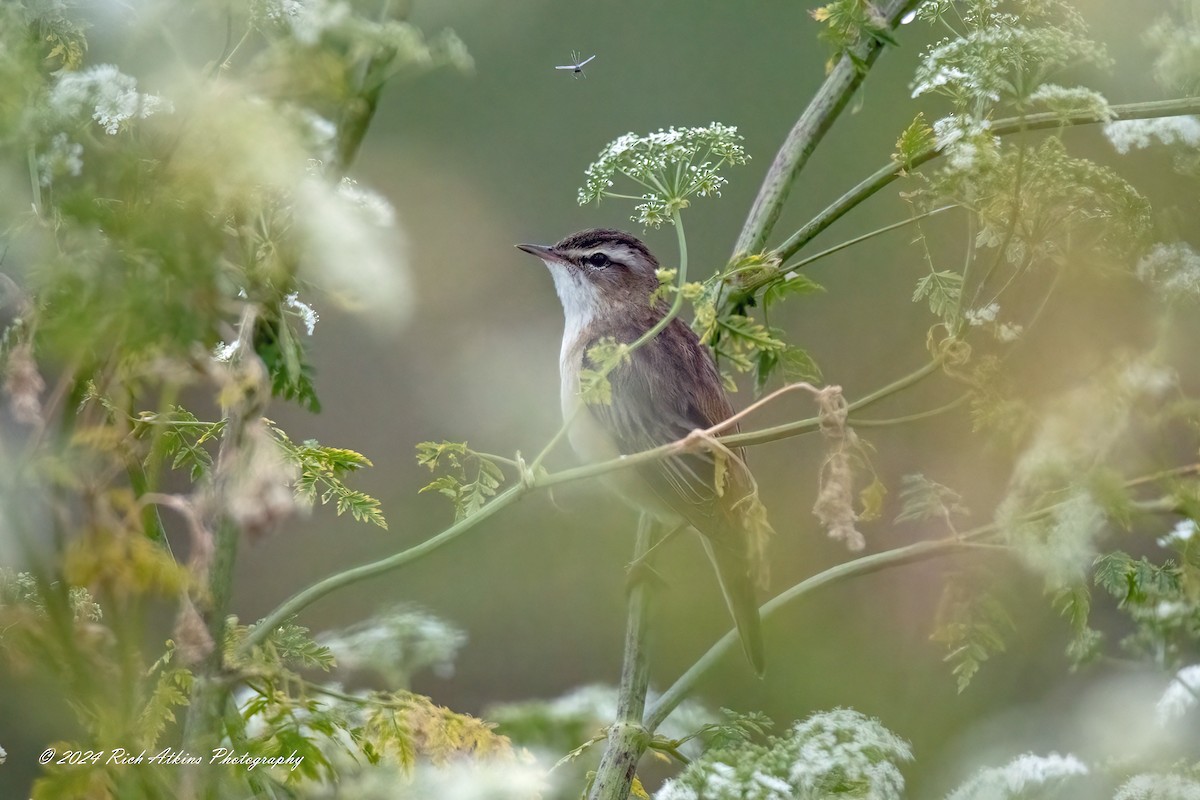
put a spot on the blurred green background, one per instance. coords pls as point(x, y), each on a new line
point(477, 163)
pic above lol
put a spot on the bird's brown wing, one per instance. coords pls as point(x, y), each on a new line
point(670, 389)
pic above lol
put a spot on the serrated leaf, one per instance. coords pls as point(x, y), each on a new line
point(916, 139)
point(794, 283)
point(942, 290)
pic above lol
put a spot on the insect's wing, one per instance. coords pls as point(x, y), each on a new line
point(585, 61)
point(566, 66)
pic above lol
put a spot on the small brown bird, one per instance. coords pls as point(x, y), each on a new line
point(669, 387)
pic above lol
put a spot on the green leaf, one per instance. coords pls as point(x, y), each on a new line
point(942, 289)
point(916, 140)
point(470, 478)
point(322, 470)
point(972, 625)
point(794, 283)
point(923, 499)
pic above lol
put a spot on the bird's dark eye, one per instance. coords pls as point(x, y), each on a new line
point(597, 261)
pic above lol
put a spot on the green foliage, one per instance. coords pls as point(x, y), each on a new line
point(943, 290)
point(924, 499)
point(599, 362)
point(181, 438)
point(283, 355)
point(916, 140)
point(791, 284)
point(470, 478)
point(1075, 603)
point(849, 23)
point(973, 624)
point(322, 470)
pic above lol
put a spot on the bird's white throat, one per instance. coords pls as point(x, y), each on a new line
point(580, 302)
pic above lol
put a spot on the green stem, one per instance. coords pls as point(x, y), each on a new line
point(860, 566)
point(297, 602)
point(780, 274)
point(798, 427)
point(1031, 122)
point(627, 738)
point(840, 85)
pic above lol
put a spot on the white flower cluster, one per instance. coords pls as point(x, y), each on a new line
point(397, 644)
point(1182, 533)
point(1153, 786)
point(843, 746)
point(1020, 775)
point(374, 207)
point(671, 165)
point(1061, 546)
point(978, 317)
point(1172, 270)
point(967, 142)
point(830, 754)
point(109, 95)
point(1069, 102)
point(1180, 696)
point(1138, 134)
point(307, 313)
point(62, 157)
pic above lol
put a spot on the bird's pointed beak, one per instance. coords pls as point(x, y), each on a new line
point(540, 250)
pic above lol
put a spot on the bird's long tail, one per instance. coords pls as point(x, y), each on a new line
point(733, 573)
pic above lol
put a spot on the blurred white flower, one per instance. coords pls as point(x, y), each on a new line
point(1181, 695)
point(377, 210)
point(303, 310)
point(981, 316)
point(1019, 776)
point(1153, 786)
point(1172, 270)
point(63, 157)
point(1136, 134)
point(1183, 531)
point(396, 644)
point(348, 252)
point(1009, 331)
point(111, 95)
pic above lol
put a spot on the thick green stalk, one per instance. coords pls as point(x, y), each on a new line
point(626, 737)
point(840, 85)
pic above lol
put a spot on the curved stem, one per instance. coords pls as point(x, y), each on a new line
point(860, 566)
point(293, 605)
